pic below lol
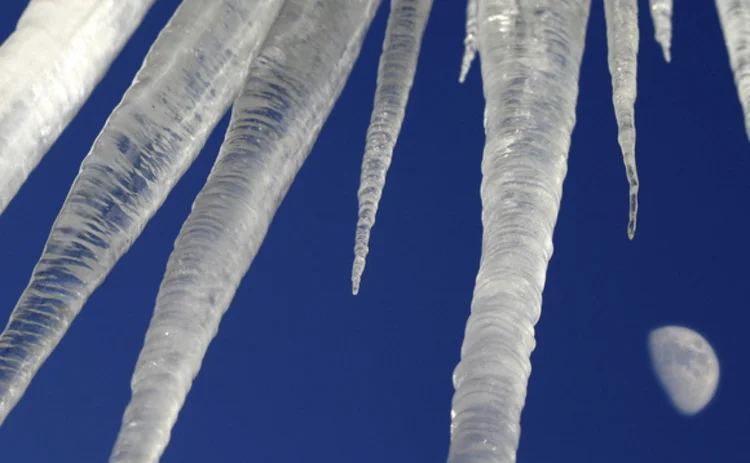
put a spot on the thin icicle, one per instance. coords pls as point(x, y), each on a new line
point(188, 80)
point(622, 44)
point(661, 14)
point(48, 68)
point(531, 55)
point(290, 91)
point(470, 42)
point(398, 64)
point(735, 22)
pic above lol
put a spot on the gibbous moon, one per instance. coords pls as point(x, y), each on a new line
point(686, 366)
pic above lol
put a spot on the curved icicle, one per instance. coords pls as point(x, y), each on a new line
point(661, 15)
point(531, 55)
point(48, 68)
point(398, 64)
point(622, 44)
point(188, 80)
point(291, 88)
point(735, 22)
point(470, 42)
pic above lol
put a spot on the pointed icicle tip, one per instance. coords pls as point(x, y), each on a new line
point(633, 212)
point(667, 54)
point(631, 228)
point(622, 50)
point(367, 210)
point(398, 64)
point(357, 268)
point(661, 16)
point(470, 41)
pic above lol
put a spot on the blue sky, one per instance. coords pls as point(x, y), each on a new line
point(301, 370)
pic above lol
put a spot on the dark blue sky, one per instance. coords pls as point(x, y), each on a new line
point(301, 370)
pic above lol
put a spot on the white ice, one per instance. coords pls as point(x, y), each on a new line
point(398, 64)
point(290, 90)
point(622, 45)
point(661, 15)
point(470, 42)
point(735, 22)
point(189, 78)
point(48, 68)
point(530, 61)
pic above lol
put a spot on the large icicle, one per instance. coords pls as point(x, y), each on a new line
point(622, 44)
point(398, 64)
point(470, 42)
point(661, 15)
point(290, 91)
point(48, 68)
point(735, 22)
point(531, 53)
point(188, 80)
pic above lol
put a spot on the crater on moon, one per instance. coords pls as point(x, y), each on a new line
point(686, 366)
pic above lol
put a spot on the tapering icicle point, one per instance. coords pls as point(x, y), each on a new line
point(661, 15)
point(398, 64)
point(633, 211)
point(470, 42)
point(362, 236)
point(735, 23)
point(357, 269)
point(622, 55)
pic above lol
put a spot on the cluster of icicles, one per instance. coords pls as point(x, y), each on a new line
point(282, 64)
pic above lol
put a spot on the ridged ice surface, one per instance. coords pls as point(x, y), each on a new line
point(470, 42)
point(187, 82)
point(622, 45)
point(530, 59)
point(398, 64)
point(735, 22)
point(290, 91)
point(48, 68)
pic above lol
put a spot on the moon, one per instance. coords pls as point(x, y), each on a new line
point(685, 365)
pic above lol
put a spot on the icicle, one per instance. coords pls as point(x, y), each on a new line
point(735, 22)
point(193, 71)
point(531, 55)
point(661, 14)
point(470, 42)
point(48, 68)
point(290, 91)
point(622, 42)
point(398, 64)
